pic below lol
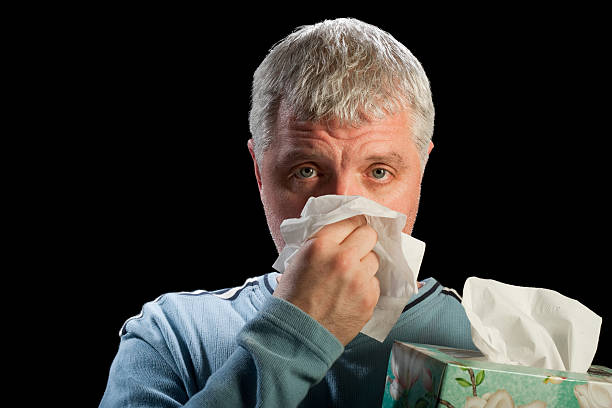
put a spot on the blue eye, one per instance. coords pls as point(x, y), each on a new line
point(306, 172)
point(379, 173)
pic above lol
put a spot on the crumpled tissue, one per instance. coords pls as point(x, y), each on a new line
point(530, 326)
point(399, 254)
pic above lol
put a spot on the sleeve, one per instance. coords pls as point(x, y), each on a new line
point(281, 353)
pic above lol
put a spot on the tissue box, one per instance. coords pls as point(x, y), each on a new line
point(421, 375)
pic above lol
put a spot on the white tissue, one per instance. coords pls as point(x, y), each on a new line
point(530, 326)
point(399, 254)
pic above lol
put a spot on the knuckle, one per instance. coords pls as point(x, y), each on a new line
point(368, 294)
point(315, 245)
point(342, 262)
point(372, 292)
point(368, 303)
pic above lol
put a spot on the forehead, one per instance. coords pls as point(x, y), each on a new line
point(391, 135)
point(286, 119)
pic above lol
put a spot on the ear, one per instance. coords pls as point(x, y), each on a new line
point(257, 174)
point(430, 147)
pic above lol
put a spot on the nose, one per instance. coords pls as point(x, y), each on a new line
point(345, 184)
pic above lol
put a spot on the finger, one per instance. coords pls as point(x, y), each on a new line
point(370, 263)
point(373, 292)
point(375, 283)
point(361, 241)
point(338, 231)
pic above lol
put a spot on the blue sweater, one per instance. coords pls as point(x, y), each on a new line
point(243, 347)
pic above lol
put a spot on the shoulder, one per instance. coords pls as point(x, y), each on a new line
point(439, 309)
point(431, 295)
point(191, 334)
point(191, 311)
point(440, 298)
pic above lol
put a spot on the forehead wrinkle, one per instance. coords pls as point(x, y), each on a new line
point(308, 139)
point(346, 150)
point(306, 149)
point(311, 141)
point(322, 131)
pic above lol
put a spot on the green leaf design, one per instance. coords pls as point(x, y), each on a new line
point(464, 383)
point(421, 403)
point(480, 377)
point(465, 368)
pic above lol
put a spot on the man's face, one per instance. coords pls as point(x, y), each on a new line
point(377, 160)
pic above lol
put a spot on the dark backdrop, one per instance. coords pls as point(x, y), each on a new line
point(165, 198)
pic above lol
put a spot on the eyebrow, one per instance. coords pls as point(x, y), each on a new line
point(290, 157)
point(394, 159)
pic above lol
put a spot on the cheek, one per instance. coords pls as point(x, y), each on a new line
point(273, 218)
point(281, 203)
point(278, 206)
point(405, 201)
point(403, 195)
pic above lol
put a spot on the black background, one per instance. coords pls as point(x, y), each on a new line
point(156, 190)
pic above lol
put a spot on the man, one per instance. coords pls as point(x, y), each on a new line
point(339, 107)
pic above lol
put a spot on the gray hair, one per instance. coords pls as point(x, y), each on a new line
point(340, 70)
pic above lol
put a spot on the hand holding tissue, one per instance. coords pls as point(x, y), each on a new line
point(399, 254)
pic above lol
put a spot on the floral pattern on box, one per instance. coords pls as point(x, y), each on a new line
point(421, 376)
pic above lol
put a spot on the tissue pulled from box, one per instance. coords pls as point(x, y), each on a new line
point(399, 254)
point(530, 326)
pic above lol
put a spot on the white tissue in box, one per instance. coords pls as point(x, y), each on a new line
point(530, 326)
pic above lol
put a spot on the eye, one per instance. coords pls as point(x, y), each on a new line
point(306, 172)
point(379, 173)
